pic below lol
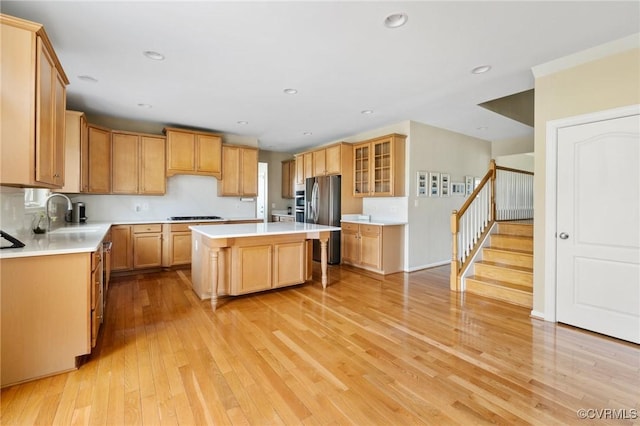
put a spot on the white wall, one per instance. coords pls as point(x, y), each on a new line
point(432, 149)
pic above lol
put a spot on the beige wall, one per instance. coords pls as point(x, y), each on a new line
point(275, 159)
point(598, 85)
point(512, 146)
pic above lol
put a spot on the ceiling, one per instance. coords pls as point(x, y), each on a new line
point(227, 63)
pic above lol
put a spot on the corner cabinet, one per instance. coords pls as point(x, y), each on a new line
point(193, 153)
point(32, 108)
point(376, 248)
point(240, 171)
point(378, 167)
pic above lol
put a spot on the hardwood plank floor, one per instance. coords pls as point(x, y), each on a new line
point(368, 350)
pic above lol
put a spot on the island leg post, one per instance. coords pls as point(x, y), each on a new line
point(323, 259)
point(213, 268)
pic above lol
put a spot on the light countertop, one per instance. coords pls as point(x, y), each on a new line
point(78, 237)
point(259, 229)
point(374, 222)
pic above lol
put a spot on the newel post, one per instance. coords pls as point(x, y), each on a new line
point(454, 282)
point(492, 168)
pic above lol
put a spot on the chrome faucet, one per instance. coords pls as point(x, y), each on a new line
point(46, 207)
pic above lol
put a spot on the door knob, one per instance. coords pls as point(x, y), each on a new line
point(563, 235)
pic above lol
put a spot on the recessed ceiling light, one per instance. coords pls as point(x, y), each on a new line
point(148, 106)
point(396, 20)
point(481, 69)
point(366, 111)
point(153, 55)
point(290, 91)
point(243, 122)
point(88, 78)
point(307, 133)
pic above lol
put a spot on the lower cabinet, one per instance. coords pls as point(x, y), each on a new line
point(376, 248)
point(95, 295)
point(121, 248)
point(136, 247)
point(252, 265)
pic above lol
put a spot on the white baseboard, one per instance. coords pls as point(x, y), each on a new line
point(430, 265)
point(537, 315)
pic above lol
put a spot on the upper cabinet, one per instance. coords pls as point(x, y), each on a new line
point(299, 169)
point(33, 99)
point(288, 178)
point(75, 146)
point(138, 164)
point(240, 165)
point(321, 162)
point(194, 153)
point(98, 164)
point(378, 167)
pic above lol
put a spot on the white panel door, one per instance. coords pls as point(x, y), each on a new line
point(598, 232)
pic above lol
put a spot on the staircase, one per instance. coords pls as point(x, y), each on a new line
point(506, 269)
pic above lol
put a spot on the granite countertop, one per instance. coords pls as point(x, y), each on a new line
point(78, 237)
point(259, 229)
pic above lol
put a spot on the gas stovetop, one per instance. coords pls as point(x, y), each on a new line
point(194, 217)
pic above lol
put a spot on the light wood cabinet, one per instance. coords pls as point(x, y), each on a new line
point(373, 247)
point(288, 178)
point(32, 107)
point(307, 159)
point(378, 167)
point(98, 160)
point(300, 179)
point(282, 218)
point(176, 247)
point(319, 162)
point(76, 153)
point(121, 248)
point(138, 164)
point(195, 153)
point(95, 290)
point(240, 176)
point(147, 246)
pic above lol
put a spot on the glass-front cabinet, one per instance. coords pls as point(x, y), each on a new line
point(379, 167)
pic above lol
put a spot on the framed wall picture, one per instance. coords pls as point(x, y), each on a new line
point(434, 184)
point(469, 181)
point(445, 181)
point(458, 188)
point(422, 184)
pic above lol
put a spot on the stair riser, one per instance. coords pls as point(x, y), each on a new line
point(504, 274)
point(515, 229)
point(500, 293)
point(507, 242)
point(508, 258)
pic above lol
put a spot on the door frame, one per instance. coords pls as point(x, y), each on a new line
point(550, 214)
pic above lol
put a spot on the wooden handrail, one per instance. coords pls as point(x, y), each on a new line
point(509, 169)
point(475, 193)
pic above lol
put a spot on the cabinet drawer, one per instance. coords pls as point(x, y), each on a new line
point(182, 227)
point(370, 229)
point(153, 227)
point(350, 226)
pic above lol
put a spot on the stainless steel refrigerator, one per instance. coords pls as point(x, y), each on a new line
point(322, 200)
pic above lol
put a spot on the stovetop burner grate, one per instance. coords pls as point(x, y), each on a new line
point(194, 217)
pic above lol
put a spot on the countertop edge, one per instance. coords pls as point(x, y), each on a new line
point(375, 222)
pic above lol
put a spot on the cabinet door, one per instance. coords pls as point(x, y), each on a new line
point(209, 155)
point(99, 163)
point(333, 160)
point(125, 157)
point(230, 183)
point(121, 248)
point(382, 168)
point(84, 155)
point(350, 244)
point(180, 152)
point(75, 132)
point(249, 170)
point(45, 116)
point(180, 248)
point(147, 250)
point(370, 246)
point(361, 170)
point(60, 136)
point(319, 163)
point(300, 170)
point(287, 182)
point(289, 263)
point(308, 165)
point(152, 165)
point(251, 269)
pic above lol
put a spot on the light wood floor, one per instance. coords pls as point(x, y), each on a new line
point(367, 350)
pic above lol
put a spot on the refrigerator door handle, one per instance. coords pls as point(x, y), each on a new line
point(314, 202)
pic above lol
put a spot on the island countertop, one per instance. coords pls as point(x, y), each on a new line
point(259, 229)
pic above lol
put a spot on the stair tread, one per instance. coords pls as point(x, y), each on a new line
point(525, 252)
point(517, 237)
point(504, 284)
point(506, 266)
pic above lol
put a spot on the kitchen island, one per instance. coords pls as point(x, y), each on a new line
point(241, 259)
